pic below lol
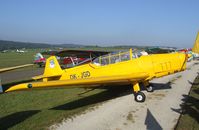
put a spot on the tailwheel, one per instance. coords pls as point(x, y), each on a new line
point(140, 97)
point(149, 88)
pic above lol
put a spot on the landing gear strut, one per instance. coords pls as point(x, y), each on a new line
point(139, 96)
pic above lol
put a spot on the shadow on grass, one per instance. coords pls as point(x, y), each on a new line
point(190, 103)
point(110, 93)
point(196, 91)
point(15, 118)
point(190, 106)
point(192, 83)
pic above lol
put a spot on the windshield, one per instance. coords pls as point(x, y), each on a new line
point(112, 58)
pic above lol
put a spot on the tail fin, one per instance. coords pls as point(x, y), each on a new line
point(52, 67)
point(196, 45)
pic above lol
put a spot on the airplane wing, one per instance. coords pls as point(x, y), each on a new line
point(51, 52)
point(14, 67)
point(76, 53)
point(81, 53)
point(87, 82)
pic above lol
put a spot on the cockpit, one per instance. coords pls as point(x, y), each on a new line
point(121, 56)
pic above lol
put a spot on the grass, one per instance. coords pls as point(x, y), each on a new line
point(39, 109)
point(10, 59)
point(189, 119)
point(35, 109)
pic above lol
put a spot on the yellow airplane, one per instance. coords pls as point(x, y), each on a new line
point(122, 68)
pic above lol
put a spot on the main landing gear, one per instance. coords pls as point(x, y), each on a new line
point(140, 96)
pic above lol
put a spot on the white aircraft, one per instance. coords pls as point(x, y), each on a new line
point(20, 51)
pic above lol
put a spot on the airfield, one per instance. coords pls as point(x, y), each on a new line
point(99, 109)
point(161, 110)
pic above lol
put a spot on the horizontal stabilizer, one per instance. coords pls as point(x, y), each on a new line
point(43, 76)
point(37, 77)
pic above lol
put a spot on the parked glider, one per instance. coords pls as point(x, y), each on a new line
point(39, 60)
point(121, 68)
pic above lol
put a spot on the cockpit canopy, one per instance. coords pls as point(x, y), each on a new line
point(117, 57)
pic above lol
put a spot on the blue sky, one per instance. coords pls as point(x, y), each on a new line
point(101, 22)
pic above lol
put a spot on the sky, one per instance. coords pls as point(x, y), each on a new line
point(101, 22)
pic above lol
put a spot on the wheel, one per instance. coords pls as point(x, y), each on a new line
point(140, 97)
point(149, 88)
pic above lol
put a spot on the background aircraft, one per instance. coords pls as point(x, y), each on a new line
point(39, 60)
point(20, 51)
point(193, 53)
point(195, 48)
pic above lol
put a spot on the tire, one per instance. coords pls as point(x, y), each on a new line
point(149, 88)
point(140, 97)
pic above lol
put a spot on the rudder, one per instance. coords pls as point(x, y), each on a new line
point(52, 67)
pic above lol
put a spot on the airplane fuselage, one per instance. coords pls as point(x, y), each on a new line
point(155, 65)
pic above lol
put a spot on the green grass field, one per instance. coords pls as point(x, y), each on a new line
point(189, 119)
point(39, 109)
point(10, 59)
